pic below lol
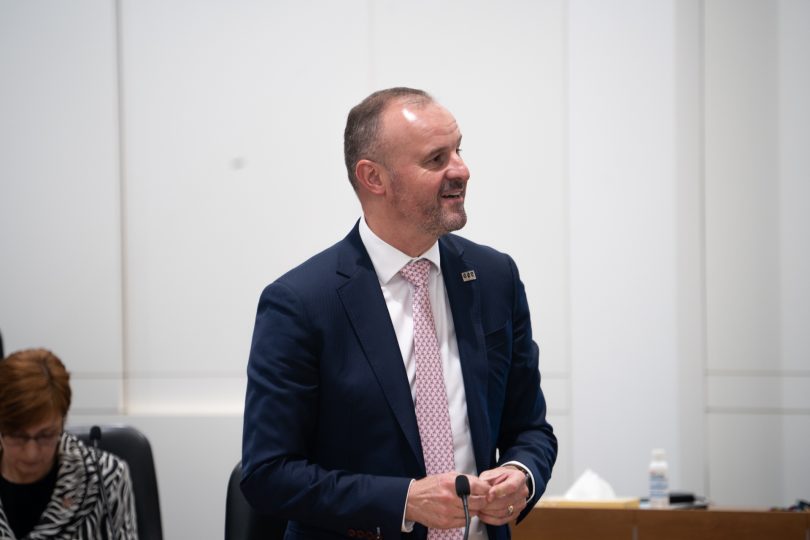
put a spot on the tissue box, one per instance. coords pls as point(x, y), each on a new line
point(590, 491)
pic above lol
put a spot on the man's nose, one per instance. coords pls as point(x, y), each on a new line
point(458, 169)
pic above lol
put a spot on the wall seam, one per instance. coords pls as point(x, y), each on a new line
point(125, 360)
point(703, 247)
point(566, 63)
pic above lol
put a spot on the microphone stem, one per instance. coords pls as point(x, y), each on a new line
point(466, 517)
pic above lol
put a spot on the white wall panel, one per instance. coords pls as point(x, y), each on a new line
point(188, 393)
point(794, 228)
point(794, 239)
point(794, 183)
point(745, 459)
point(742, 247)
point(690, 234)
point(558, 394)
point(60, 277)
point(234, 174)
point(758, 247)
point(95, 394)
point(563, 474)
point(623, 208)
point(760, 392)
point(795, 467)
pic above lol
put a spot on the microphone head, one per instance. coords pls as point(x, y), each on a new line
point(95, 433)
point(462, 485)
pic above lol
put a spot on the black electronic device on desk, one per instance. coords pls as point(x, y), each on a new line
point(681, 500)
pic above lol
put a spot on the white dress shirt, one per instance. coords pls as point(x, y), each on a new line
point(388, 261)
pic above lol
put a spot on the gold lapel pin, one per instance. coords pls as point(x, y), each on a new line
point(469, 275)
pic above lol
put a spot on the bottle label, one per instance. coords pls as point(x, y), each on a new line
point(659, 489)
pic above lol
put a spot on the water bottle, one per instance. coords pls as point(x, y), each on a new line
point(659, 480)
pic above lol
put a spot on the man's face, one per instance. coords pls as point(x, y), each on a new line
point(427, 176)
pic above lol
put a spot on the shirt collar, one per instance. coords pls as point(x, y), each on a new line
point(387, 259)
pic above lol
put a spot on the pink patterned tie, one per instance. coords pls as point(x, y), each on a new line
point(432, 412)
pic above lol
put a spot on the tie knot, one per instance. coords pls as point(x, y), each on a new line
point(416, 272)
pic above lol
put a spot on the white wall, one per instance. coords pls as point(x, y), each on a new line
point(757, 189)
point(60, 239)
point(644, 162)
point(622, 177)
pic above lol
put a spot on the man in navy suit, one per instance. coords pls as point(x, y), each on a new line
point(331, 436)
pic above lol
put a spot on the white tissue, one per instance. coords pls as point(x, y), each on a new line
point(590, 487)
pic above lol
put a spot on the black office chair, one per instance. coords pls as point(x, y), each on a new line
point(133, 447)
point(242, 522)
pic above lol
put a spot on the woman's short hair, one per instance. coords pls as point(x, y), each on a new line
point(34, 386)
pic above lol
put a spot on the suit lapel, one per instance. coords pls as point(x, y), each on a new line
point(365, 306)
point(465, 305)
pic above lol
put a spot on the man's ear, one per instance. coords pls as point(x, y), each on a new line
point(370, 176)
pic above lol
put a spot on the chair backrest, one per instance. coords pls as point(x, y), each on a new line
point(242, 522)
point(133, 447)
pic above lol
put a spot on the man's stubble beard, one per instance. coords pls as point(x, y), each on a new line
point(432, 218)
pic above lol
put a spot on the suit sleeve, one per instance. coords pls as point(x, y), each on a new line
point(525, 436)
point(280, 473)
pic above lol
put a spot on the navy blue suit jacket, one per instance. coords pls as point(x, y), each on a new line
point(330, 438)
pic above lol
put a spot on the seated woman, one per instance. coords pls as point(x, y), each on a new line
point(49, 486)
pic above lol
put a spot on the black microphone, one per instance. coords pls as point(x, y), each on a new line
point(462, 490)
point(95, 437)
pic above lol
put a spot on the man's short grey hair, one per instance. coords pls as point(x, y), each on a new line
point(361, 138)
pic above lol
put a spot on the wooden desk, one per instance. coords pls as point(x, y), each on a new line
point(621, 524)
